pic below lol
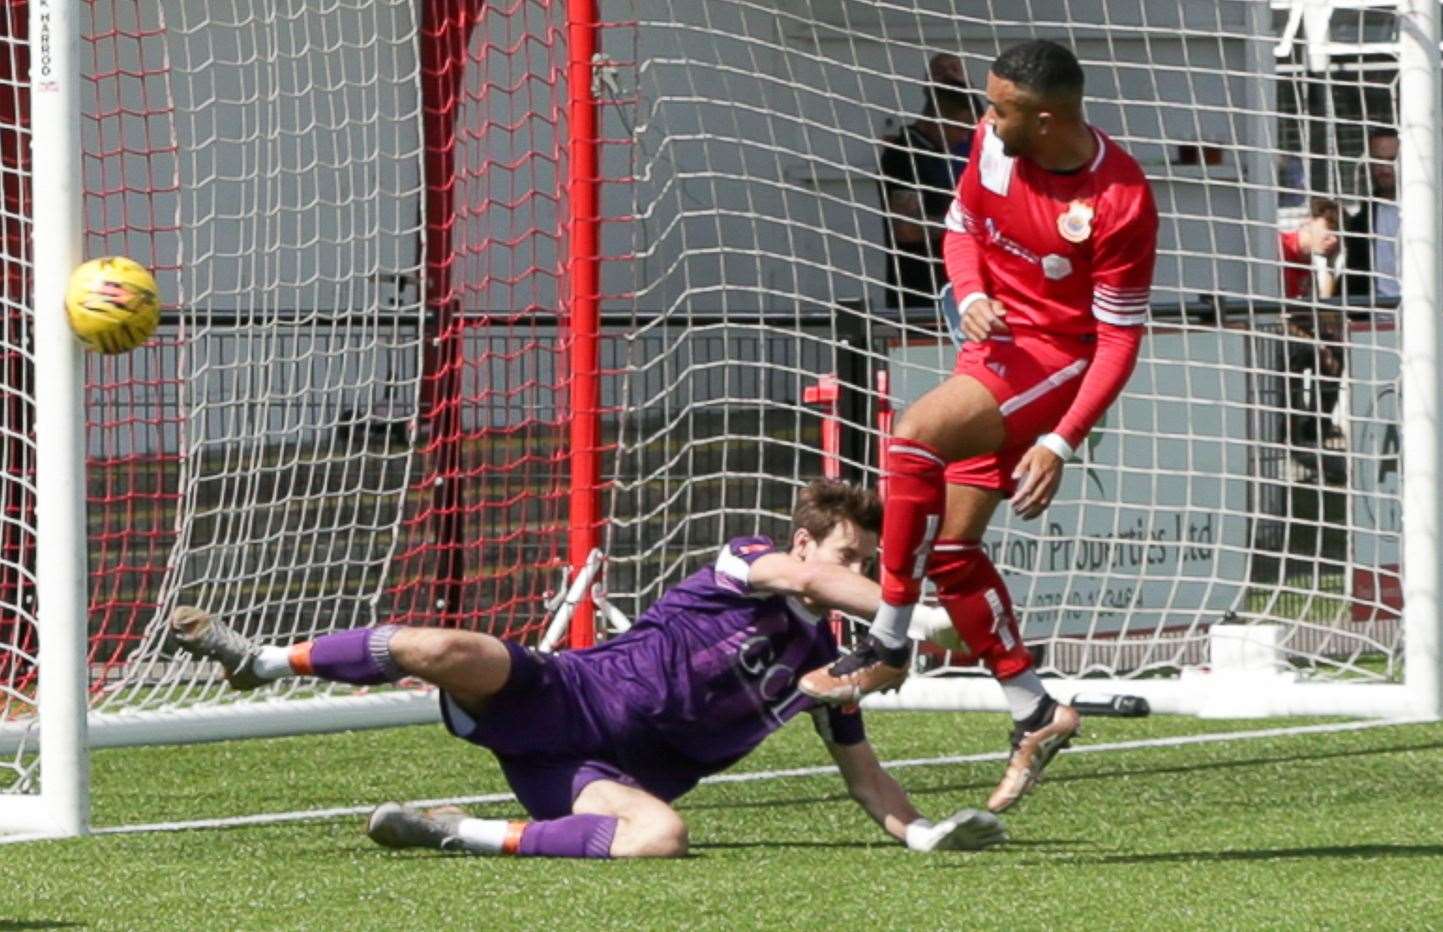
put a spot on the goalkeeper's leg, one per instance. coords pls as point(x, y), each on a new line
point(608, 820)
point(468, 666)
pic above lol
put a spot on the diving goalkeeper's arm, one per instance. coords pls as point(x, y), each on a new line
point(887, 803)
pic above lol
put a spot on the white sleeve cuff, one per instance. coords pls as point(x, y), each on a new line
point(1056, 444)
point(732, 566)
point(918, 835)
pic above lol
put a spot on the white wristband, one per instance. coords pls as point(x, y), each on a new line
point(1056, 444)
point(918, 836)
point(967, 300)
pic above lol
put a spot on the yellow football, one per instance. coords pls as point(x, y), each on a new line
point(113, 304)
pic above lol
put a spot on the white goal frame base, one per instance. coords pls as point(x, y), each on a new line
point(1197, 692)
point(272, 718)
point(1247, 676)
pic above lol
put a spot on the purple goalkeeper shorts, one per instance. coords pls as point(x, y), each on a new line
point(541, 732)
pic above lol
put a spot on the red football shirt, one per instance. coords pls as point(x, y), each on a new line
point(1061, 251)
point(1069, 255)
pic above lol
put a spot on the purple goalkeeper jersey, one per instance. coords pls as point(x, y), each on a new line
point(706, 673)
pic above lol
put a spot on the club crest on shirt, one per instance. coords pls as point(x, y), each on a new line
point(1056, 267)
point(1075, 224)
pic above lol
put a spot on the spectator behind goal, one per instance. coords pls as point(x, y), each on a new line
point(920, 167)
point(1313, 262)
point(1312, 254)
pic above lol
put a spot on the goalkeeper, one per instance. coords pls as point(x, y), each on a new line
point(597, 743)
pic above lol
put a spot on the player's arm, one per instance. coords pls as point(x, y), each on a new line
point(1123, 260)
point(873, 788)
point(1039, 472)
point(837, 588)
point(981, 315)
point(887, 803)
point(833, 587)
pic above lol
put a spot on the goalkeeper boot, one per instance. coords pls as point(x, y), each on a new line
point(202, 635)
point(870, 668)
point(1034, 743)
point(394, 825)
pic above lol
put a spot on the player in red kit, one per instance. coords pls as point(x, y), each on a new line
point(1050, 247)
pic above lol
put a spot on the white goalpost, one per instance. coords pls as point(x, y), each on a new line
point(1422, 278)
point(61, 553)
point(458, 291)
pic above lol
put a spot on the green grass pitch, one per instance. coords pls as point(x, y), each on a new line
point(1306, 831)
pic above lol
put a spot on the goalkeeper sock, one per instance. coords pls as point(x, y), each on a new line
point(575, 836)
point(488, 836)
point(360, 656)
point(272, 663)
point(916, 496)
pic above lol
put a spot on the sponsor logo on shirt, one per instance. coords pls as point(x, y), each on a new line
point(1056, 267)
point(994, 235)
point(771, 682)
point(747, 549)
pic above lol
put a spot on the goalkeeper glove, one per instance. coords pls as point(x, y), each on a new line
point(964, 830)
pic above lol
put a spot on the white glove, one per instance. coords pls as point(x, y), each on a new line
point(964, 830)
point(932, 623)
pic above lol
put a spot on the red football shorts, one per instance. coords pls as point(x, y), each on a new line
point(1034, 381)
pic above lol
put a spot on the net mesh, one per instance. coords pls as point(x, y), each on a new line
point(1245, 475)
point(18, 635)
point(357, 401)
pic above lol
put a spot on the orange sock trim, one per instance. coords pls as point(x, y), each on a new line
point(300, 659)
point(512, 842)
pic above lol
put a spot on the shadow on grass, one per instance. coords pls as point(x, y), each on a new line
point(1034, 845)
point(1051, 844)
point(14, 924)
point(1057, 777)
point(825, 798)
point(683, 805)
point(697, 849)
point(1054, 777)
point(1327, 852)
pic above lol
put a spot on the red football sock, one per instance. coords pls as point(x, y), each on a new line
point(916, 495)
point(976, 599)
point(911, 515)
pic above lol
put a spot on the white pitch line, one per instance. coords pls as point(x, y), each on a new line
point(313, 815)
